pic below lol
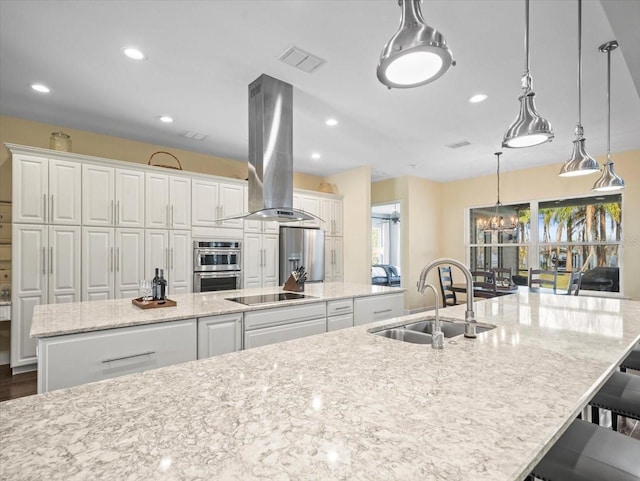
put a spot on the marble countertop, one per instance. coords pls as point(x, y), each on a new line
point(57, 319)
point(346, 405)
point(5, 303)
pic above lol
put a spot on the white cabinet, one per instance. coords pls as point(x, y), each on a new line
point(167, 201)
point(260, 227)
point(98, 263)
point(310, 204)
point(211, 201)
point(74, 359)
point(170, 251)
point(112, 197)
point(377, 308)
point(219, 335)
point(333, 259)
point(260, 260)
point(271, 335)
point(331, 213)
point(339, 314)
point(46, 262)
point(129, 262)
point(46, 191)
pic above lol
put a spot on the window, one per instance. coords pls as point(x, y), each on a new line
point(582, 234)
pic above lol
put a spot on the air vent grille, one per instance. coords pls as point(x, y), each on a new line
point(457, 145)
point(193, 135)
point(300, 59)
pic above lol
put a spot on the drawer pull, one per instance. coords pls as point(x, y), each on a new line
point(346, 307)
point(382, 312)
point(148, 353)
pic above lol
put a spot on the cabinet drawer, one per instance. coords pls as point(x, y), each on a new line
point(80, 358)
point(377, 308)
point(271, 335)
point(284, 315)
point(337, 308)
point(339, 322)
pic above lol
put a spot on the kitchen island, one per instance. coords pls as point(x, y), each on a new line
point(341, 405)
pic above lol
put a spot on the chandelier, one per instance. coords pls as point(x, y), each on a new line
point(497, 222)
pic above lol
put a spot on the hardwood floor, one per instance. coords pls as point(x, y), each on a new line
point(12, 387)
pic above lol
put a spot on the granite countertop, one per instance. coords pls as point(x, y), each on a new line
point(58, 319)
point(345, 405)
point(5, 303)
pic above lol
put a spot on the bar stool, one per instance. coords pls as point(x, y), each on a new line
point(620, 395)
point(586, 452)
point(632, 361)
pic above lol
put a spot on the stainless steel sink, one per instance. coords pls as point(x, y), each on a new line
point(405, 335)
point(450, 327)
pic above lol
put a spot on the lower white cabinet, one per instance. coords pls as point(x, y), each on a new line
point(271, 335)
point(333, 259)
point(339, 314)
point(74, 359)
point(377, 308)
point(260, 260)
point(219, 335)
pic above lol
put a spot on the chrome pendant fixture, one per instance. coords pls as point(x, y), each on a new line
point(497, 223)
point(580, 162)
point(609, 180)
point(529, 128)
point(416, 55)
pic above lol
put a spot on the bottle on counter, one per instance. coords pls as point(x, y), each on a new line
point(155, 285)
point(163, 286)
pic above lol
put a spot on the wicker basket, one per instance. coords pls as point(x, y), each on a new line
point(179, 167)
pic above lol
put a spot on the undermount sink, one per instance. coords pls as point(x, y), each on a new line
point(420, 332)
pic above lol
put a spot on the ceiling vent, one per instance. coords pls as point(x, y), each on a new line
point(300, 59)
point(193, 135)
point(457, 145)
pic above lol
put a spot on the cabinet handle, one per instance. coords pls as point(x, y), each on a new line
point(172, 258)
point(44, 203)
point(118, 213)
point(148, 353)
point(383, 311)
point(111, 258)
point(118, 259)
point(44, 260)
point(341, 308)
point(51, 260)
point(172, 217)
point(112, 215)
point(51, 217)
point(166, 257)
point(168, 216)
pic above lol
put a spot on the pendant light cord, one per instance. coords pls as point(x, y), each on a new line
point(498, 176)
point(579, 127)
point(526, 37)
point(609, 105)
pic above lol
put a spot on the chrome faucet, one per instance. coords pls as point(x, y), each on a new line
point(437, 336)
point(469, 315)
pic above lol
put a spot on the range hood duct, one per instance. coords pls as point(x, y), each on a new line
point(271, 152)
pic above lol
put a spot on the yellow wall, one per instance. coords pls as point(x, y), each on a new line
point(36, 134)
point(355, 186)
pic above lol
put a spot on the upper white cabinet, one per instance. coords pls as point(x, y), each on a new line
point(112, 197)
point(46, 191)
point(331, 213)
point(212, 201)
point(310, 204)
point(168, 201)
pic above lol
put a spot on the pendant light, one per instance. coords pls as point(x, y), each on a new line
point(528, 129)
point(580, 162)
point(497, 222)
point(416, 55)
point(609, 180)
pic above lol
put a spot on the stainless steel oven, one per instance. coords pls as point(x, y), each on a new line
point(217, 265)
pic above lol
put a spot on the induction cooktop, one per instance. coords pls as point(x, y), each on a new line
point(267, 298)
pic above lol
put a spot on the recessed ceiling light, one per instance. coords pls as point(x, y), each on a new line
point(477, 98)
point(40, 88)
point(166, 119)
point(331, 122)
point(315, 155)
point(133, 53)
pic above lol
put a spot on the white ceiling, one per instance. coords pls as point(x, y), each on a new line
point(203, 54)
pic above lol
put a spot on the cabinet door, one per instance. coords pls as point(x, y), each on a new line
point(98, 263)
point(129, 198)
point(65, 188)
point(328, 259)
point(180, 204)
point(219, 335)
point(231, 203)
point(204, 203)
point(156, 252)
point(377, 308)
point(129, 260)
point(270, 266)
point(30, 189)
point(98, 207)
point(338, 247)
point(180, 258)
point(337, 217)
point(64, 264)
point(156, 211)
point(311, 205)
point(326, 214)
point(29, 288)
point(271, 335)
point(252, 260)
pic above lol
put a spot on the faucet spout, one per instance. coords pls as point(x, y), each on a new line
point(469, 315)
point(437, 336)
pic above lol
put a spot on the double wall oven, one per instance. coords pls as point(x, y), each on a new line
point(217, 265)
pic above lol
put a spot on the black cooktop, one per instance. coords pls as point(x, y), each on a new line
point(267, 298)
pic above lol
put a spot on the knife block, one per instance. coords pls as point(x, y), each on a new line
point(293, 286)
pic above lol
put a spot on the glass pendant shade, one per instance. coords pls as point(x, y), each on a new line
point(529, 128)
point(416, 55)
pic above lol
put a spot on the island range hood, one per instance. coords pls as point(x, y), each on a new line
point(271, 152)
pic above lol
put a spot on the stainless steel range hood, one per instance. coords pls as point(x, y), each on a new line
point(271, 152)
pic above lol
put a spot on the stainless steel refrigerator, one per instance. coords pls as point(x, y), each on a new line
point(301, 246)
